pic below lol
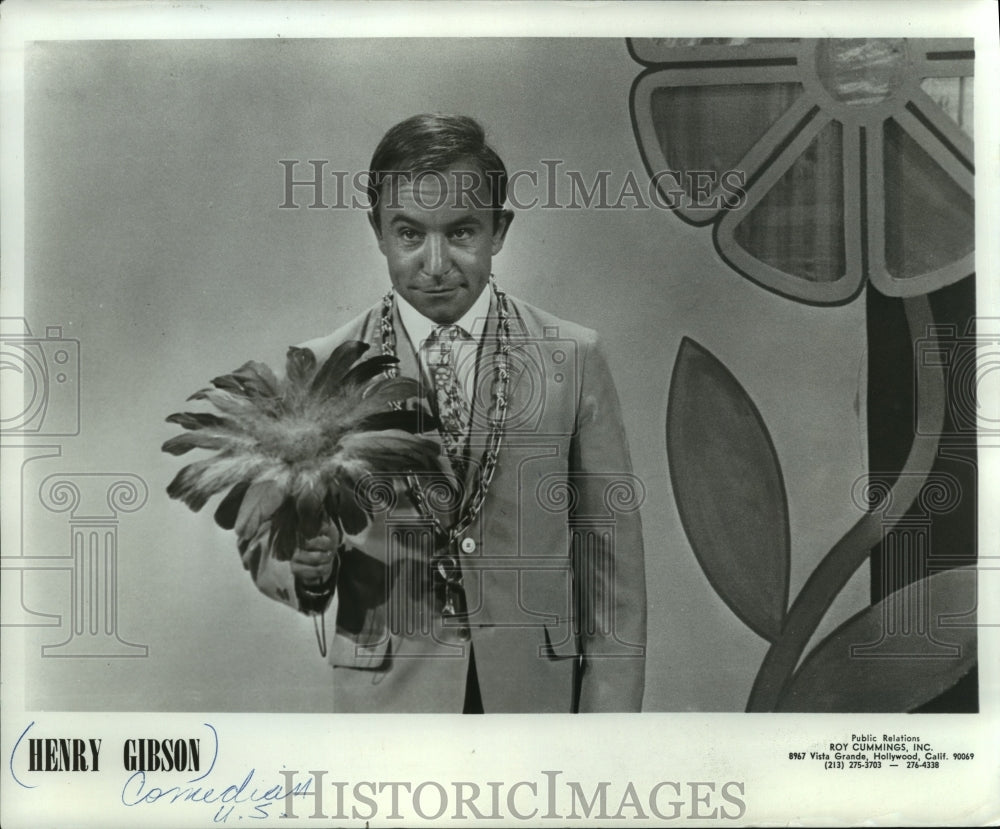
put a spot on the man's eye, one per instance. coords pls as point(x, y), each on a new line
point(408, 234)
point(462, 233)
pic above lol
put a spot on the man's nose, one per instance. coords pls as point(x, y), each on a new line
point(437, 258)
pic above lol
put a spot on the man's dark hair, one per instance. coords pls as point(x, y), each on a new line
point(424, 143)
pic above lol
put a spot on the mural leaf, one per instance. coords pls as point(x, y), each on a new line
point(729, 488)
point(893, 656)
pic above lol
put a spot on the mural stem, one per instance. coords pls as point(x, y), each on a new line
point(853, 549)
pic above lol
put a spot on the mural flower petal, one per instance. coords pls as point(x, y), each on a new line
point(854, 157)
point(928, 191)
point(796, 234)
point(672, 115)
point(729, 488)
point(883, 659)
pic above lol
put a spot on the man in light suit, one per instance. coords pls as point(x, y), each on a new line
point(515, 583)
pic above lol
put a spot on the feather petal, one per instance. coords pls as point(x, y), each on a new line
point(238, 404)
point(407, 420)
point(257, 379)
point(284, 537)
point(308, 493)
point(392, 450)
point(229, 383)
point(199, 481)
point(229, 507)
point(300, 363)
point(195, 440)
point(392, 389)
point(380, 395)
point(185, 485)
point(353, 519)
point(249, 548)
point(199, 420)
point(259, 504)
point(328, 378)
point(368, 370)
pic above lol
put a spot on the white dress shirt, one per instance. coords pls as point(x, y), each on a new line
point(473, 325)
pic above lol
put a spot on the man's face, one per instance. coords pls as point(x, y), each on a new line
point(438, 236)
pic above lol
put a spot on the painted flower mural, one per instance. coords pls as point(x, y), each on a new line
point(855, 161)
point(857, 157)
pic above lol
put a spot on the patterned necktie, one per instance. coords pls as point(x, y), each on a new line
point(453, 408)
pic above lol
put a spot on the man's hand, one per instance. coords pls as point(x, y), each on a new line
point(313, 562)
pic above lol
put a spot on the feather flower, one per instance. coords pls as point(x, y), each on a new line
point(291, 452)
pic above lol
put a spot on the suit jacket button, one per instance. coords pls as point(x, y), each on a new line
point(468, 545)
point(464, 634)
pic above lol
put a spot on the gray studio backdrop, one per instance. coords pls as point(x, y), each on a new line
point(154, 237)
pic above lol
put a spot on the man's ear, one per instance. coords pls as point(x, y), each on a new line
point(373, 220)
point(500, 230)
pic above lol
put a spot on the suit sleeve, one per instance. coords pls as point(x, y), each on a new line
point(609, 573)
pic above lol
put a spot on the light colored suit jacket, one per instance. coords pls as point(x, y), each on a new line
point(553, 574)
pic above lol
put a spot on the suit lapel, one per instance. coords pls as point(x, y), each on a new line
point(518, 341)
point(518, 363)
point(486, 365)
point(407, 354)
point(483, 386)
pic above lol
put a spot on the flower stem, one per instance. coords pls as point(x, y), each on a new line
point(853, 549)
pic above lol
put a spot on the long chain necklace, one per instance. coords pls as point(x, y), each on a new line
point(446, 565)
